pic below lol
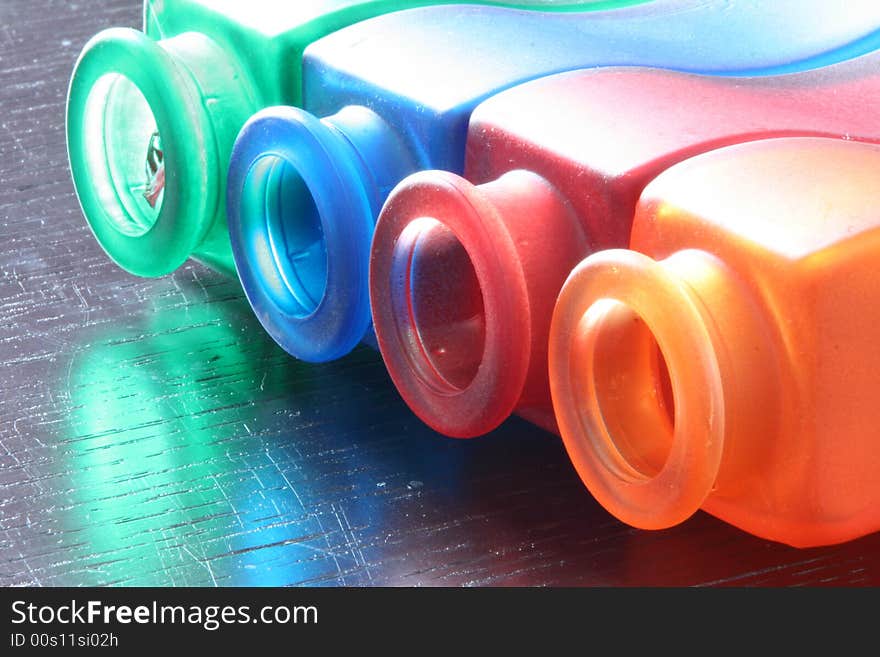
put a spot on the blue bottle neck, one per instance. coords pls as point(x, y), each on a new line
point(378, 152)
point(304, 196)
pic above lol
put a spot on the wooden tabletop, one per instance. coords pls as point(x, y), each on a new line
point(151, 434)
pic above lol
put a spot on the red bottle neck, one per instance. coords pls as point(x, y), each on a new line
point(463, 282)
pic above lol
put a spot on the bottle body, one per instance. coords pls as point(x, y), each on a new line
point(596, 137)
point(784, 319)
point(422, 103)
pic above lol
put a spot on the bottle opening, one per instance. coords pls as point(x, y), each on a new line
point(443, 322)
point(636, 384)
point(450, 304)
point(124, 156)
point(632, 388)
point(286, 241)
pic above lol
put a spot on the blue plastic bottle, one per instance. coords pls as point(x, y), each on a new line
point(395, 94)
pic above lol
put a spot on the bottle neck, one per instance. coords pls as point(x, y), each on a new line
point(656, 368)
point(228, 99)
point(304, 194)
point(380, 154)
point(463, 279)
point(150, 125)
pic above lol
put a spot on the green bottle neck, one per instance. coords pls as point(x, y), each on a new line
point(150, 128)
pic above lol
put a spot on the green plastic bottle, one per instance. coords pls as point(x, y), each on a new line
point(152, 115)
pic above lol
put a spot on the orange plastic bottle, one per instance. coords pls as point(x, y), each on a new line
point(730, 360)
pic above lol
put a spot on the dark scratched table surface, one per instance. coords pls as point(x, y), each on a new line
point(151, 434)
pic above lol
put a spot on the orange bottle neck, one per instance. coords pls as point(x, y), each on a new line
point(658, 371)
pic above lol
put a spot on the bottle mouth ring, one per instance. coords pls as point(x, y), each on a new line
point(300, 224)
point(604, 285)
point(287, 241)
point(423, 200)
point(148, 225)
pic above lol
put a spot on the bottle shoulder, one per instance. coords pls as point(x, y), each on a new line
point(625, 120)
point(789, 199)
point(462, 52)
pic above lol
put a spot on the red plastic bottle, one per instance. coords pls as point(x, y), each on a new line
point(730, 361)
point(465, 271)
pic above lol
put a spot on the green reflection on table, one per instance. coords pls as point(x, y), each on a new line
point(170, 484)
